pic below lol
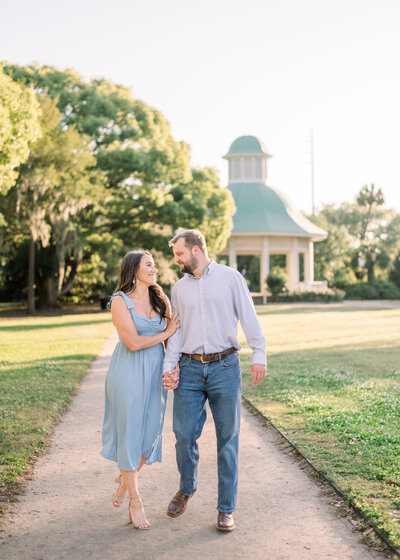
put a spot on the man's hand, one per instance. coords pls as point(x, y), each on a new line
point(258, 371)
point(171, 378)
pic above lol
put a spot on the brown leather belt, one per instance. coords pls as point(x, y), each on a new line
point(207, 358)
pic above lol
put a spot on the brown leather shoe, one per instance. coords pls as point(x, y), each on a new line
point(225, 521)
point(178, 504)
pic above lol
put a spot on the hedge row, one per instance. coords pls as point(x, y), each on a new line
point(374, 290)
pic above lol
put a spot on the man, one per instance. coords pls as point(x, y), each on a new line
point(210, 299)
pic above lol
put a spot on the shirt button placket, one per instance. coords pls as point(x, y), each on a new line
point(202, 316)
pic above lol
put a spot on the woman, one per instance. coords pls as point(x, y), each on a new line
point(135, 396)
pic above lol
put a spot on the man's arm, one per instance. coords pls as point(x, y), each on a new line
point(251, 327)
point(174, 343)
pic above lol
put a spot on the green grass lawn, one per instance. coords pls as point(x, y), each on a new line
point(333, 387)
point(42, 360)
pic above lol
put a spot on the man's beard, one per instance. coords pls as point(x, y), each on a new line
point(189, 267)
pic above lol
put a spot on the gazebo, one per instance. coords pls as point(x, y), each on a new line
point(267, 229)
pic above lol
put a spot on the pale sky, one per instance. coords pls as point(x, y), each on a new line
point(219, 69)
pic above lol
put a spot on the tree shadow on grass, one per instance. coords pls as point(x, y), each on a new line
point(317, 309)
point(319, 372)
point(18, 310)
point(22, 328)
point(53, 361)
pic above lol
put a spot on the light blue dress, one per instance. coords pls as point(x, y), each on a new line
point(135, 398)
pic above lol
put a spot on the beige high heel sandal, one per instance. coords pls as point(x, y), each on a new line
point(145, 525)
point(118, 501)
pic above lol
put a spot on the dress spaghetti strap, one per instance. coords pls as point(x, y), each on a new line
point(128, 302)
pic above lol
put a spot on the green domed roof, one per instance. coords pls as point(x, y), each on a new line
point(247, 145)
point(263, 209)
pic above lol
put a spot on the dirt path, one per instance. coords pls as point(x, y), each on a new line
point(66, 512)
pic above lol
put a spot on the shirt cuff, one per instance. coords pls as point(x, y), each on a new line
point(259, 357)
point(168, 366)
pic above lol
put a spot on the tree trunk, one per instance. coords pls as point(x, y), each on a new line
point(370, 268)
point(49, 292)
point(31, 277)
point(71, 277)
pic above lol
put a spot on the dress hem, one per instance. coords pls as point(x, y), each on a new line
point(131, 468)
point(155, 456)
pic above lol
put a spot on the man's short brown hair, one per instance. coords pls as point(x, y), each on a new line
point(192, 237)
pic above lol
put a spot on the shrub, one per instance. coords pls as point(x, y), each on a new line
point(372, 290)
point(329, 294)
point(277, 281)
point(326, 295)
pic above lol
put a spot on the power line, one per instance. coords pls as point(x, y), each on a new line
point(312, 171)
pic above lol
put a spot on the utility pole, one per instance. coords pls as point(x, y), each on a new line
point(312, 171)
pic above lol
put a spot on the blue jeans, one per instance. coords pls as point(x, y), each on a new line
point(220, 383)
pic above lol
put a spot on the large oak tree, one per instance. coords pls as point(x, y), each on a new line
point(149, 187)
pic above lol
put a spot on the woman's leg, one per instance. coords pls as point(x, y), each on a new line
point(130, 479)
point(118, 497)
point(123, 488)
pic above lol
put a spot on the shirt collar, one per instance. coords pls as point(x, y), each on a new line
point(207, 271)
point(210, 267)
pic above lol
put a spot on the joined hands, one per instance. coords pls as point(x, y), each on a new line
point(171, 378)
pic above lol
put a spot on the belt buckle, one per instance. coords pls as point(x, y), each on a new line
point(202, 359)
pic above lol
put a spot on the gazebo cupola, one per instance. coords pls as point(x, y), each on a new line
point(247, 158)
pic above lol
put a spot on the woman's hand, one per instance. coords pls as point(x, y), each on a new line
point(173, 324)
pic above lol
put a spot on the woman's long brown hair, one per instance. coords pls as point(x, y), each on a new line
point(127, 279)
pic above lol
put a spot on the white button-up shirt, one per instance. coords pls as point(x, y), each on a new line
point(209, 308)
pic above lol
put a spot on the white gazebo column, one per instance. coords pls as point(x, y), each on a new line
point(232, 255)
point(264, 268)
point(309, 264)
point(294, 266)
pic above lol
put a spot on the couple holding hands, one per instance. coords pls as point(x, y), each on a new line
point(201, 362)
